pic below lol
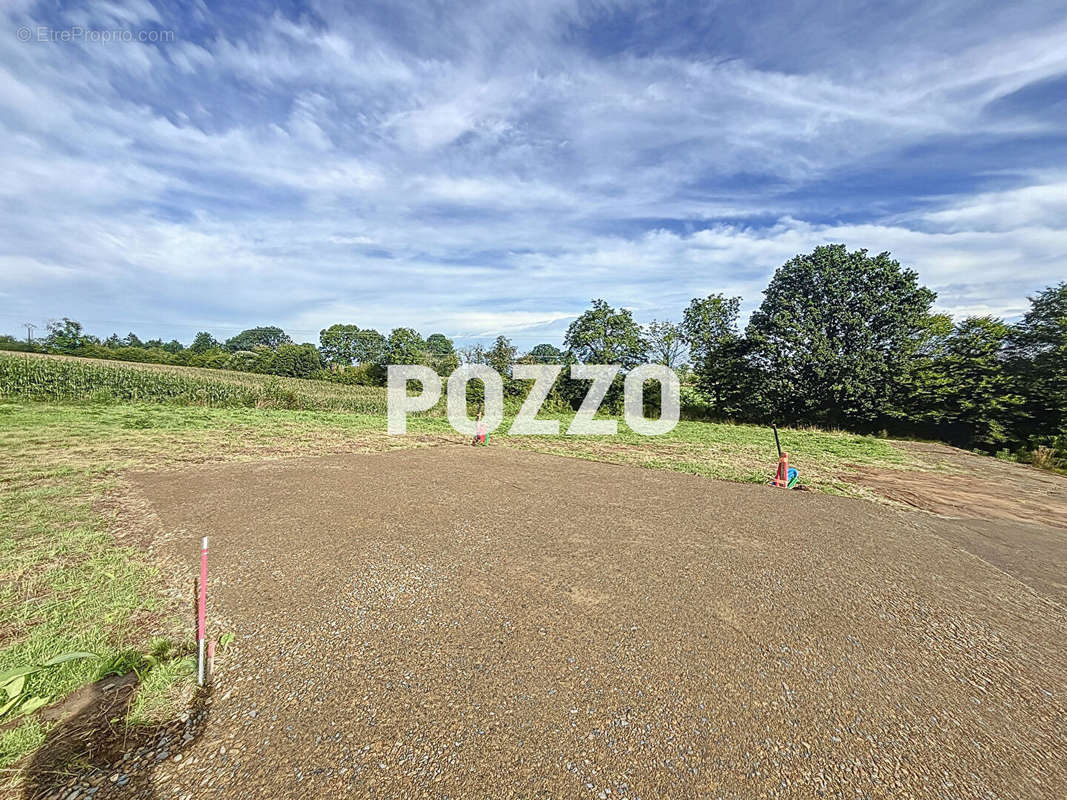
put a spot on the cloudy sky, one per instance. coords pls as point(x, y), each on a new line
point(489, 171)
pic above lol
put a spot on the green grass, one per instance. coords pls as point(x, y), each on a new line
point(25, 738)
point(68, 582)
point(743, 453)
point(65, 585)
point(730, 452)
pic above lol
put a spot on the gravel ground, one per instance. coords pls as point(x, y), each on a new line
point(476, 623)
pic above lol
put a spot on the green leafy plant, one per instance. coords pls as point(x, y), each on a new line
point(14, 684)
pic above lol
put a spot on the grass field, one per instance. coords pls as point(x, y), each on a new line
point(70, 584)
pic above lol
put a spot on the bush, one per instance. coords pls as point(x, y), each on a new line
point(243, 361)
point(363, 375)
point(214, 358)
point(295, 361)
point(14, 345)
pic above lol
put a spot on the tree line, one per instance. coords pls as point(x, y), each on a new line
point(841, 340)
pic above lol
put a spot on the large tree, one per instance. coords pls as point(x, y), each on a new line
point(545, 354)
point(835, 336)
point(603, 335)
point(927, 385)
point(666, 343)
point(339, 344)
point(370, 347)
point(66, 336)
point(405, 346)
point(979, 403)
point(716, 351)
point(1039, 362)
point(296, 360)
point(501, 356)
point(268, 336)
point(202, 342)
point(439, 344)
point(442, 353)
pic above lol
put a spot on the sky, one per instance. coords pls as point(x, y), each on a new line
point(489, 170)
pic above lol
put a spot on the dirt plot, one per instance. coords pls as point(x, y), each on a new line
point(963, 484)
point(1011, 516)
point(473, 623)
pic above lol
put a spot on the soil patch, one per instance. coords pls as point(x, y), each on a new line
point(483, 622)
point(962, 484)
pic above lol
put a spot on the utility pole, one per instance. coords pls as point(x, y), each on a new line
point(30, 328)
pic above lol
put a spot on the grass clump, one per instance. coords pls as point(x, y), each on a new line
point(23, 738)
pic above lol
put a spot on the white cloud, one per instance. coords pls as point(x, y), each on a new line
point(1040, 205)
point(482, 174)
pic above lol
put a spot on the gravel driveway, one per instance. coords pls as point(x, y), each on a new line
point(485, 623)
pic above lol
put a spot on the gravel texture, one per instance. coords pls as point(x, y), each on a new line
point(483, 623)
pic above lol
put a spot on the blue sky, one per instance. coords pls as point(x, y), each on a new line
point(490, 171)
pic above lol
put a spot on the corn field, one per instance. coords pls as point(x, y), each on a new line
point(65, 379)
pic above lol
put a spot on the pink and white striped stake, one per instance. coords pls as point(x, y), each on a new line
point(201, 615)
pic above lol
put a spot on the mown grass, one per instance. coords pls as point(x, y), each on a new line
point(67, 583)
point(743, 453)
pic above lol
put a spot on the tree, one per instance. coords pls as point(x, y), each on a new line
point(370, 346)
point(472, 354)
point(666, 343)
point(202, 342)
point(717, 352)
point(259, 360)
point(439, 344)
point(545, 354)
point(835, 335)
point(923, 396)
point(979, 402)
point(65, 336)
point(269, 336)
point(1038, 353)
point(214, 358)
point(501, 356)
point(132, 340)
point(442, 353)
point(296, 360)
point(340, 344)
point(405, 346)
point(173, 346)
point(603, 335)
